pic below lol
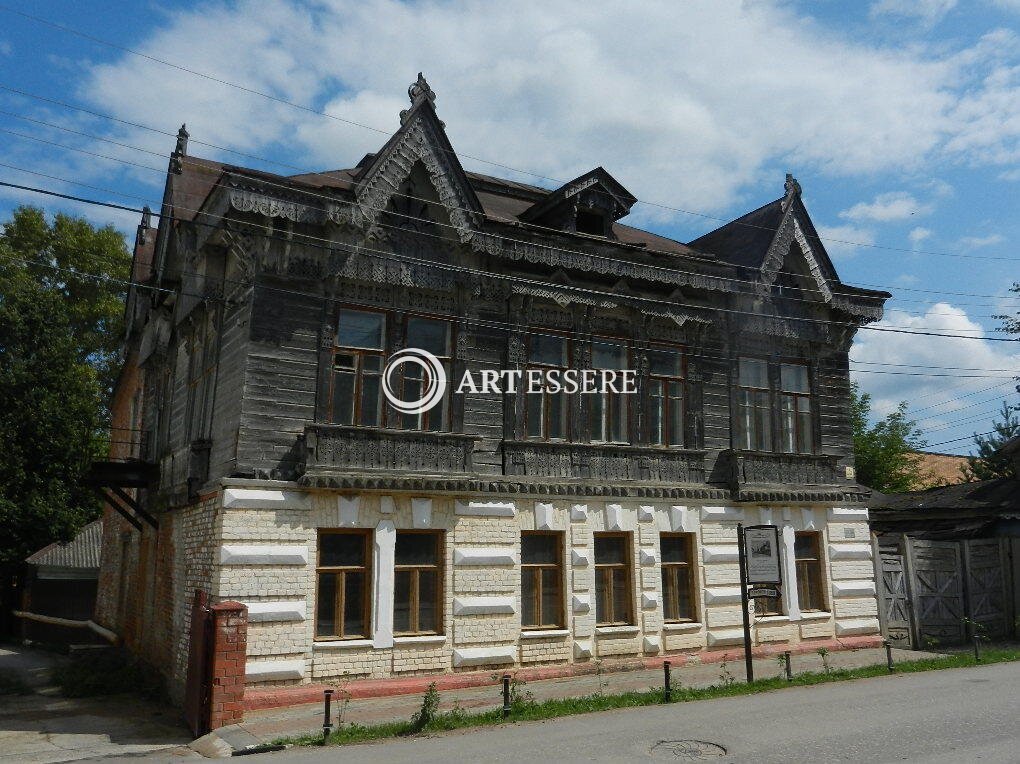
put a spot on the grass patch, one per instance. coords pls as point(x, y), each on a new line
point(531, 710)
point(107, 673)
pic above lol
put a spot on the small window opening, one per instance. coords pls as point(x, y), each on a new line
point(591, 223)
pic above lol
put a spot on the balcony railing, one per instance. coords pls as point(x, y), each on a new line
point(764, 468)
point(604, 462)
point(341, 447)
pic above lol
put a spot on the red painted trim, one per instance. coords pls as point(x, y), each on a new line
point(277, 697)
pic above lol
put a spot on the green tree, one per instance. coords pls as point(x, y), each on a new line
point(884, 452)
point(58, 361)
point(988, 463)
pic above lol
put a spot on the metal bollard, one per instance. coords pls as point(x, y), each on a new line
point(888, 655)
point(977, 648)
point(506, 695)
point(667, 692)
point(327, 723)
point(789, 666)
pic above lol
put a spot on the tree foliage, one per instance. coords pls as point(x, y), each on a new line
point(58, 360)
point(988, 463)
point(884, 452)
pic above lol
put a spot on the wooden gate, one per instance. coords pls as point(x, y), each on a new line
point(198, 688)
point(937, 587)
point(987, 590)
point(894, 599)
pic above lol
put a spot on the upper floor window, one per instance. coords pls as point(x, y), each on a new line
point(436, 336)
point(356, 391)
point(754, 421)
point(760, 392)
point(796, 426)
point(609, 410)
point(665, 397)
point(546, 413)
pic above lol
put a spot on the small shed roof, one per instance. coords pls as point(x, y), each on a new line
point(81, 552)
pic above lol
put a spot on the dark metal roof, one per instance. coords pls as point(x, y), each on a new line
point(81, 552)
point(746, 240)
point(1000, 494)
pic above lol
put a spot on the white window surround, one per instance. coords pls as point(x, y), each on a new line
point(816, 615)
point(686, 626)
point(617, 631)
point(789, 558)
point(334, 644)
point(383, 559)
point(421, 639)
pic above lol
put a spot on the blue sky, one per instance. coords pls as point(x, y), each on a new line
point(901, 120)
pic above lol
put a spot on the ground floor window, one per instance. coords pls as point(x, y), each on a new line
point(342, 585)
point(614, 601)
point(807, 551)
point(418, 583)
point(678, 600)
point(542, 580)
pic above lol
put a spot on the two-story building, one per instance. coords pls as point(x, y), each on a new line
point(498, 528)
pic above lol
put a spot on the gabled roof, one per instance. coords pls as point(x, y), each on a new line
point(621, 200)
point(81, 552)
point(746, 240)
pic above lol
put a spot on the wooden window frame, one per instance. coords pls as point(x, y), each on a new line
point(676, 440)
point(340, 571)
point(415, 601)
point(816, 582)
point(672, 568)
point(621, 399)
point(541, 570)
point(798, 434)
point(448, 361)
point(359, 371)
point(628, 567)
point(547, 398)
point(740, 407)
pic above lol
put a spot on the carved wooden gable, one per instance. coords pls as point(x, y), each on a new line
point(392, 182)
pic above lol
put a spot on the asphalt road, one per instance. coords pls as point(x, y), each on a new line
point(959, 715)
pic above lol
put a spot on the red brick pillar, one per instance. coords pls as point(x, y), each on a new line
point(228, 650)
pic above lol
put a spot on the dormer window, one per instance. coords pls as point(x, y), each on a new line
point(591, 222)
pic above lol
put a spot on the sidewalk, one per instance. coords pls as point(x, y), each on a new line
point(264, 726)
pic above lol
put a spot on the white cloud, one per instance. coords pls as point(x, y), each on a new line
point(927, 11)
point(1007, 5)
point(840, 240)
point(918, 236)
point(887, 207)
point(935, 398)
point(977, 242)
point(686, 105)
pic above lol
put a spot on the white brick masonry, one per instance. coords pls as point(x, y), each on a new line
point(263, 554)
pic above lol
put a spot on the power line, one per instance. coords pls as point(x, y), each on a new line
point(957, 440)
point(330, 245)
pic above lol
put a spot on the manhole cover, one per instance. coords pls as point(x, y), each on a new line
point(686, 750)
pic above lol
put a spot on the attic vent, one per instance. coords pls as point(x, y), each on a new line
point(590, 222)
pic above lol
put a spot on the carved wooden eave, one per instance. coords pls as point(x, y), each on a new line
point(420, 138)
point(564, 298)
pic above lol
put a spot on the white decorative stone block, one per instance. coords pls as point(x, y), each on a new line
point(484, 605)
point(614, 517)
point(649, 600)
point(543, 516)
point(848, 515)
point(264, 612)
point(580, 604)
point(765, 515)
point(261, 498)
point(421, 512)
point(487, 555)
point(578, 513)
point(787, 515)
point(579, 557)
point(863, 588)
point(645, 513)
point(384, 552)
point(720, 553)
point(481, 656)
point(387, 505)
point(725, 636)
point(486, 508)
point(647, 556)
point(851, 626)
point(263, 671)
point(264, 554)
point(807, 519)
point(722, 595)
point(722, 514)
point(348, 511)
point(849, 551)
point(652, 644)
point(583, 649)
point(683, 519)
